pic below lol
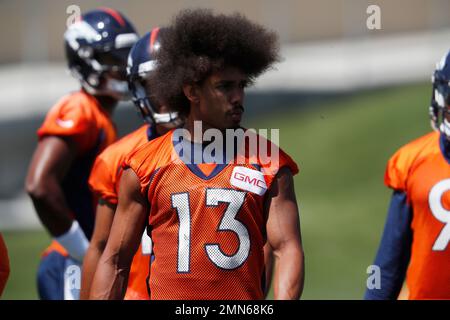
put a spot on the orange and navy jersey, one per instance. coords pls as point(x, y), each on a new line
point(420, 170)
point(107, 170)
point(207, 221)
point(104, 182)
point(79, 117)
point(4, 264)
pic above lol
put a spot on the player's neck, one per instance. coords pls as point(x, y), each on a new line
point(191, 125)
point(108, 104)
point(445, 147)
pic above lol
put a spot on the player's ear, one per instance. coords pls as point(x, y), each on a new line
point(191, 92)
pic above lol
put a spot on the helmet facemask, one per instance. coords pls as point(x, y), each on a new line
point(141, 63)
point(146, 105)
point(107, 76)
point(440, 105)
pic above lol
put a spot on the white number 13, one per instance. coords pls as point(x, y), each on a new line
point(214, 197)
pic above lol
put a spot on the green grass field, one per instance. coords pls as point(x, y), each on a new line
point(342, 149)
point(24, 250)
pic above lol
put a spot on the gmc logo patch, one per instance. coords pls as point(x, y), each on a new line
point(249, 180)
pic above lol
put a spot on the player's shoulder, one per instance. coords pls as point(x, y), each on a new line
point(69, 116)
point(149, 148)
point(268, 155)
point(76, 99)
point(152, 154)
point(407, 157)
point(79, 106)
point(417, 148)
point(126, 144)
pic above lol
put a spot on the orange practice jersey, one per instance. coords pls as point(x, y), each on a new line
point(4, 264)
point(421, 171)
point(207, 222)
point(79, 117)
point(104, 182)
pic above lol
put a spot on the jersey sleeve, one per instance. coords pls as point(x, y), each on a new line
point(136, 161)
point(102, 180)
point(278, 159)
point(287, 161)
point(401, 164)
point(268, 155)
point(397, 170)
point(146, 160)
point(70, 119)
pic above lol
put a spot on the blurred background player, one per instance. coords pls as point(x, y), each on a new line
point(74, 132)
point(204, 64)
point(416, 236)
point(4, 264)
point(105, 175)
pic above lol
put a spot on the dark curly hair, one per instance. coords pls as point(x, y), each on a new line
point(200, 42)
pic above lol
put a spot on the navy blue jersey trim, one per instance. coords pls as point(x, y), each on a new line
point(189, 159)
point(151, 133)
point(256, 166)
point(199, 173)
point(149, 273)
point(444, 145)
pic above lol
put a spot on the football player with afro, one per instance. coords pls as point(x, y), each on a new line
point(208, 226)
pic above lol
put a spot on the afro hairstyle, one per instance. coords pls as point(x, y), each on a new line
point(199, 43)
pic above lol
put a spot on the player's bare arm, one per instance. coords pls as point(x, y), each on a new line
point(268, 265)
point(111, 277)
point(283, 234)
point(51, 160)
point(103, 221)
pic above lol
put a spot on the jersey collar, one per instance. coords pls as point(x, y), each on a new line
point(444, 145)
